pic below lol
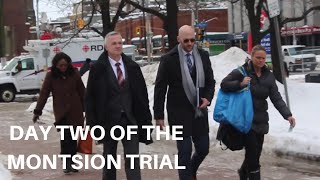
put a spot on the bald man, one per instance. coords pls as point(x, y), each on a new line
point(186, 71)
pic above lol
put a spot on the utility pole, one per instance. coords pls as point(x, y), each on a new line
point(37, 24)
point(232, 17)
point(144, 24)
point(1, 30)
point(241, 15)
point(81, 9)
point(274, 12)
point(293, 11)
point(149, 35)
point(192, 18)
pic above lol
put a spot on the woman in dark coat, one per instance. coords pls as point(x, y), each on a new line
point(262, 86)
point(65, 84)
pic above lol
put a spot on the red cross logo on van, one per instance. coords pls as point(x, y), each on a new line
point(56, 49)
point(85, 48)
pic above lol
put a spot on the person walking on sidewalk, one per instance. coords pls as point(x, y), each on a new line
point(262, 86)
point(187, 71)
point(117, 95)
point(65, 84)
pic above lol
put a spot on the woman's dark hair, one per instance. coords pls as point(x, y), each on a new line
point(55, 71)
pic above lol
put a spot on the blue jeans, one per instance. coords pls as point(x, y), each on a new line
point(201, 145)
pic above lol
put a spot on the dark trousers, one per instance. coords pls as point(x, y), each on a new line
point(253, 146)
point(68, 146)
point(201, 145)
point(129, 147)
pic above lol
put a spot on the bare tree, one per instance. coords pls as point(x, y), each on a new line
point(169, 18)
point(195, 5)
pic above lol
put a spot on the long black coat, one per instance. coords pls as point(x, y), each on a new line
point(99, 92)
point(261, 88)
point(180, 110)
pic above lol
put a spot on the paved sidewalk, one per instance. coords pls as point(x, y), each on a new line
point(218, 164)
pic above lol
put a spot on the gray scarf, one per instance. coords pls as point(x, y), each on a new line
point(192, 91)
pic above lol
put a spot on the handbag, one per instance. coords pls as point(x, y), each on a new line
point(235, 108)
point(85, 146)
point(230, 137)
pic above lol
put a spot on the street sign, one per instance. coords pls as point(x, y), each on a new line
point(46, 53)
point(201, 25)
point(274, 8)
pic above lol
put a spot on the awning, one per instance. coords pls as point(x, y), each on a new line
point(304, 30)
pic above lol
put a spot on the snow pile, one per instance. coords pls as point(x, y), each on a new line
point(305, 138)
point(4, 173)
point(84, 78)
point(150, 73)
point(225, 62)
point(47, 112)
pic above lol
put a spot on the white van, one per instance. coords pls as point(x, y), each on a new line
point(34, 64)
point(297, 58)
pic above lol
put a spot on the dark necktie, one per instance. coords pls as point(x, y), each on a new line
point(189, 62)
point(120, 75)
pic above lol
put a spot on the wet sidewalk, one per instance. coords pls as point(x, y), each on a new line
point(218, 164)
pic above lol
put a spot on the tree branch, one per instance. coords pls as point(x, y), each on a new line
point(295, 19)
point(234, 1)
point(148, 10)
point(127, 13)
point(117, 15)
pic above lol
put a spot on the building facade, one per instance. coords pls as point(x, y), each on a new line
point(128, 26)
point(17, 16)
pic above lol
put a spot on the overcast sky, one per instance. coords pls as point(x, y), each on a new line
point(53, 12)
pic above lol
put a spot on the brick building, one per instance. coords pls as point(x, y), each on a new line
point(17, 16)
point(127, 27)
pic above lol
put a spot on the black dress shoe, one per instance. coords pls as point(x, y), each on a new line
point(67, 170)
point(243, 175)
point(73, 170)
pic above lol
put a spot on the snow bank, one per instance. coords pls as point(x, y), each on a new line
point(4, 173)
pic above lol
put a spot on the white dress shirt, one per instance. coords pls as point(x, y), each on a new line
point(185, 56)
point(114, 67)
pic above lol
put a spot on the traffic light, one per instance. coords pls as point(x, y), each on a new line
point(137, 31)
point(200, 34)
point(80, 23)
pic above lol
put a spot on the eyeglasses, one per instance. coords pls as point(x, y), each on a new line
point(187, 40)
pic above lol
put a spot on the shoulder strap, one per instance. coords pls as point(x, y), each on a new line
point(244, 73)
point(242, 70)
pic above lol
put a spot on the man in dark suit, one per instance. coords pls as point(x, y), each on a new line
point(188, 73)
point(117, 95)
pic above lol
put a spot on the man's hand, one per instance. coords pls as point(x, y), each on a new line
point(35, 118)
point(160, 122)
point(204, 104)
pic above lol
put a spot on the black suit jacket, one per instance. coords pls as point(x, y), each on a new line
point(101, 89)
point(180, 111)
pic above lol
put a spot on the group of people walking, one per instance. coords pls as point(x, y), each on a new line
point(116, 94)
